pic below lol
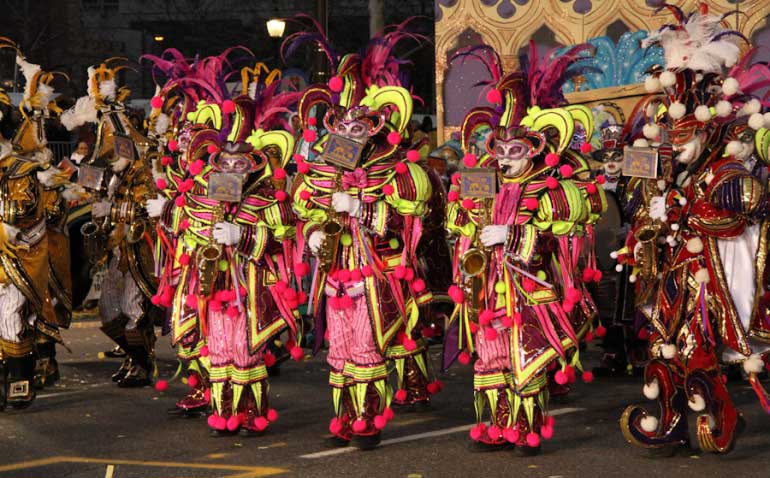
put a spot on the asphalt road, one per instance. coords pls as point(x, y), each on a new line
point(87, 427)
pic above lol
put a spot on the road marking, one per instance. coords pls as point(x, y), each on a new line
point(420, 436)
point(110, 471)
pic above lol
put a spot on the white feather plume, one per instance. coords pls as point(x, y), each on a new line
point(29, 70)
point(84, 111)
point(161, 124)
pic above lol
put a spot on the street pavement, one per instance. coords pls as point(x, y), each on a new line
point(87, 427)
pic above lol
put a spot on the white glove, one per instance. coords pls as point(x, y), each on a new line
point(493, 235)
point(155, 206)
point(101, 209)
point(315, 240)
point(344, 202)
point(76, 158)
point(11, 232)
point(227, 233)
point(658, 208)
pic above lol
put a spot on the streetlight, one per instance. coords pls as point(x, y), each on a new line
point(275, 27)
point(158, 38)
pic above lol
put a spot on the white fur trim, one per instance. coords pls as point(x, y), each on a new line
point(649, 424)
point(697, 403)
point(694, 245)
point(756, 121)
point(677, 110)
point(161, 124)
point(651, 390)
point(753, 364)
point(752, 106)
point(641, 143)
point(667, 79)
point(724, 108)
point(46, 177)
point(651, 84)
point(702, 276)
point(668, 351)
point(107, 89)
point(73, 192)
point(651, 130)
point(703, 113)
point(730, 86)
point(84, 111)
point(733, 147)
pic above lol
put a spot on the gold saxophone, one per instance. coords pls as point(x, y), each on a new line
point(209, 255)
point(332, 229)
point(473, 262)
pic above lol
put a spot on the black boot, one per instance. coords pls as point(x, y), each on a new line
point(46, 367)
point(139, 346)
point(116, 331)
point(20, 374)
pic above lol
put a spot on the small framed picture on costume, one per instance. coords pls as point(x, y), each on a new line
point(640, 162)
point(343, 152)
point(478, 183)
point(225, 187)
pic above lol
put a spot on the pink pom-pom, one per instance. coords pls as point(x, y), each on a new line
point(297, 353)
point(289, 294)
point(281, 286)
point(269, 359)
point(517, 319)
point(166, 160)
point(494, 432)
point(588, 337)
point(212, 149)
point(184, 224)
point(533, 440)
point(551, 182)
point(402, 168)
point(186, 185)
point(511, 435)
point(207, 395)
point(355, 275)
point(568, 306)
point(211, 420)
point(156, 102)
point(367, 271)
point(573, 295)
point(561, 377)
point(380, 422)
point(468, 203)
point(546, 432)
point(409, 344)
point(304, 195)
point(433, 388)
point(312, 121)
point(161, 183)
point(205, 351)
point(173, 145)
point(456, 179)
point(281, 195)
point(586, 148)
point(453, 195)
point(464, 358)
point(344, 275)
point(303, 167)
point(418, 285)
point(272, 415)
point(490, 333)
point(400, 395)
point(228, 106)
point(528, 284)
point(359, 426)
point(412, 155)
point(388, 189)
point(155, 300)
point(309, 135)
point(279, 173)
point(336, 84)
point(476, 433)
point(399, 272)
point(161, 385)
point(591, 188)
point(234, 423)
point(530, 203)
point(456, 294)
point(507, 321)
point(191, 301)
point(486, 316)
point(232, 312)
point(600, 331)
point(601, 179)
point(394, 138)
point(566, 170)
point(551, 159)
point(196, 167)
point(598, 275)
point(335, 426)
point(180, 201)
point(588, 274)
point(587, 376)
point(260, 424)
point(388, 413)
point(494, 96)
point(570, 370)
point(550, 421)
point(470, 160)
point(301, 269)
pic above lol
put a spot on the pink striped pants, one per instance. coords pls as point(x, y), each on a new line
point(493, 355)
point(351, 338)
point(228, 341)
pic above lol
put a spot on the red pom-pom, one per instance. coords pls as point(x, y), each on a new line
point(418, 285)
point(456, 294)
point(507, 321)
point(394, 138)
point(281, 195)
point(196, 167)
point(412, 155)
point(228, 106)
point(260, 424)
point(546, 432)
point(586, 148)
point(336, 84)
point(551, 182)
point(588, 337)
point(573, 295)
point(388, 189)
point(511, 435)
point(303, 167)
point(456, 179)
point(643, 334)
point(301, 269)
point(205, 351)
point(533, 440)
point(598, 275)
point(566, 170)
point(173, 145)
point(494, 96)
point(468, 203)
point(343, 275)
point(335, 426)
point(401, 168)
point(433, 388)
point(600, 331)
point(166, 160)
point(312, 121)
point(409, 344)
point(591, 188)
point(191, 301)
point(601, 179)
point(367, 271)
point(234, 423)
point(211, 420)
point(561, 377)
point(156, 102)
point(530, 203)
point(490, 333)
point(551, 159)
point(279, 173)
point(517, 319)
point(453, 195)
point(588, 274)
point(486, 316)
point(550, 421)
point(474, 327)
point(388, 413)
point(588, 376)
point(207, 395)
point(281, 286)
point(399, 272)
point(528, 284)
point(470, 160)
point(155, 300)
point(184, 224)
point(304, 195)
point(464, 358)
point(494, 432)
point(476, 433)
point(568, 306)
point(309, 135)
point(161, 183)
point(212, 148)
point(297, 353)
point(179, 201)
point(400, 395)
point(161, 385)
point(272, 415)
point(269, 359)
point(359, 426)
point(355, 275)
point(380, 422)
point(186, 185)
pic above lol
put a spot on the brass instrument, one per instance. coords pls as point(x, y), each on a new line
point(473, 263)
point(95, 236)
point(209, 255)
point(138, 224)
point(332, 229)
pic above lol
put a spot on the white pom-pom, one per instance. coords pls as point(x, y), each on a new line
point(649, 424)
point(730, 86)
point(651, 84)
point(694, 245)
point(668, 351)
point(619, 268)
point(703, 113)
point(674, 227)
point(632, 278)
point(697, 403)
point(652, 110)
point(766, 116)
point(702, 276)
point(677, 110)
point(733, 147)
point(651, 390)
point(724, 108)
point(682, 201)
point(756, 121)
point(641, 143)
point(614, 254)
point(752, 106)
point(667, 79)
point(661, 183)
point(651, 130)
point(754, 364)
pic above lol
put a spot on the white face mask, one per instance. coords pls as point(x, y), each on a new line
point(513, 158)
point(745, 152)
point(690, 151)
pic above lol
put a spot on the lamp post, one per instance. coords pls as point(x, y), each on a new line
point(276, 27)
